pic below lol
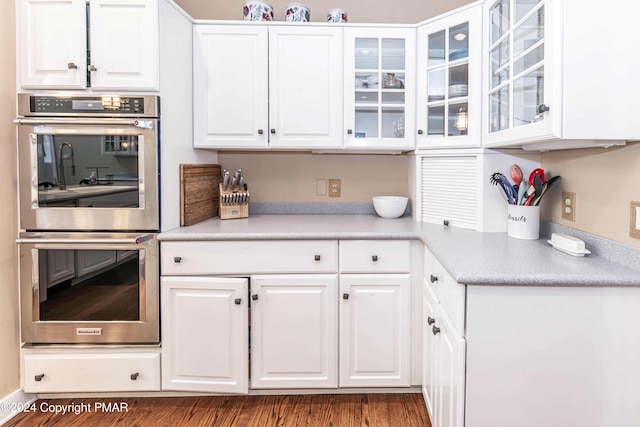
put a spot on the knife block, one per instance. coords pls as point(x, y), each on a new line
point(234, 203)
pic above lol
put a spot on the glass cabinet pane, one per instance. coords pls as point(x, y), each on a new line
point(366, 54)
point(499, 57)
point(528, 93)
point(435, 120)
point(522, 7)
point(366, 80)
point(366, 122)
point(458, 81)
point(436, 49)
point(436, 84)
point(393, 53)
point(459, 42)
point(392, 122)
point(499, 20)
point(528, 60)
point(499, 109)
point(366, 98)
point(528, 33)
point(458, 122)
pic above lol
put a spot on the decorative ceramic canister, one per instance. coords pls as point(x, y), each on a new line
point(257, 10)
point(297, 12)
point(337, 15)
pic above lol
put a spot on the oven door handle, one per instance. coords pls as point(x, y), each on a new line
point(146, 123)
point(135, 240)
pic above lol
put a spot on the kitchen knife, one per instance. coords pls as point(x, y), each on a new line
point(235, 179)
point(225, 180)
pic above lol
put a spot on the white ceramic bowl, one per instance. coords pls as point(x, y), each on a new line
point(390, 206)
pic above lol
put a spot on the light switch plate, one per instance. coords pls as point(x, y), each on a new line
point(634, 221)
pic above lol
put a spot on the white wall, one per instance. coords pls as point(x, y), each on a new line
point(9, 335)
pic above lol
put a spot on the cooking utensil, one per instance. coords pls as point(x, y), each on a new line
point(516, 174)
point(537, 185)
point(536, 172)
point(499, 179)
point(522, 192)
point(545, 187)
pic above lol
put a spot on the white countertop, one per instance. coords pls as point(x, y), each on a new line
point(471, 257)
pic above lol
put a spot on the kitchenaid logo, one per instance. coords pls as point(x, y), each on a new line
point(88, 331)
point(520, 218)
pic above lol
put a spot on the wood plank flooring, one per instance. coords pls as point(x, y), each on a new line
point(339, 410)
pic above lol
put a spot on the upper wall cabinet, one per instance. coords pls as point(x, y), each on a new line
point(267, 87)
point(101, 44)
point(558, 74)
point(449, 80)
point(379, 88)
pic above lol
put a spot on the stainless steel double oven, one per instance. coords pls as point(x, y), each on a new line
point(89, 214)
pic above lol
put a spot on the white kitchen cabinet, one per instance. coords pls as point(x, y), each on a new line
point(443, 384)
point(557, 74)
point(90, 369)
point(379, 88)
point(453, 187)
point(267, 87)
point(205, 334)
point(374, 330)
point(294, 331)
point(115, 48)
point(449, 83)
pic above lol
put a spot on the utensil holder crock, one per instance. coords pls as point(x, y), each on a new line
point(523, 222)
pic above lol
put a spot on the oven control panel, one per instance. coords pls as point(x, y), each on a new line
point(90, 106)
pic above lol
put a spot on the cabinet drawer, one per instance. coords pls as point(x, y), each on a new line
point(249, 257)
point(450, 294)
point(89, 372)
point(375, 256)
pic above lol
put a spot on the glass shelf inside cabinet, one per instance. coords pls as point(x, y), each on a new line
point(379, 87)
point(447, 77)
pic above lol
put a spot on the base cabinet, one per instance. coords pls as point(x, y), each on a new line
point(374, 330)
point(294, 328)
point(204, 334)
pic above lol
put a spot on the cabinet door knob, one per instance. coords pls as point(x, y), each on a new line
point(177, 259)
point(39, 377)
point(345, 296)
point(92, 68)
point(260, 131)
point(238, 301)
point(254, 297)
point(72, 66)
point(273, 131)
point(420, 131)
point(349, 131)
point(433, 278)
point(374, 257)
point(134, 376)
point(435, 330)
point(446, 222)
point(316, 258)
point(542, 109)
point(431, 320)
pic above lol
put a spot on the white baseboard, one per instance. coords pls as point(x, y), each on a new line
point(14, 403)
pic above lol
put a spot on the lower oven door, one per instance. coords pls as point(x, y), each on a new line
point(89, 288)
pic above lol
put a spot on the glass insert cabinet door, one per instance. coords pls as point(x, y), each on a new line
point(516, 56)
point(377, 113)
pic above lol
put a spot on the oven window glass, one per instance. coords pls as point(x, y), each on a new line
point(83, 285)
point(98, 171)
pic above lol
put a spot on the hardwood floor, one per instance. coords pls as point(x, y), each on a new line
point(371, 410)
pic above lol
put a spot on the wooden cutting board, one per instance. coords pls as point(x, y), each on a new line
point(199, 193)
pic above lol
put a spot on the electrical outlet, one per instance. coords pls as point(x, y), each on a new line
point(335, 188)
point(568, 206)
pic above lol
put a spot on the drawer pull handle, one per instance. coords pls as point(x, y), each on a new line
point(92, 68)
point(134, 376)
point(317, 258)
point(177, 259)
point(260, 131)
point(254, 297)
point(39, 377)
point(374, 258)
point(273, 131)
point(345, 296)
point(349, 131)
point(431, 320)
point(238, 301)
point(433, 278)
point(435, 330)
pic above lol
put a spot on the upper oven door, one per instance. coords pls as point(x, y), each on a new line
point(88, 174)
